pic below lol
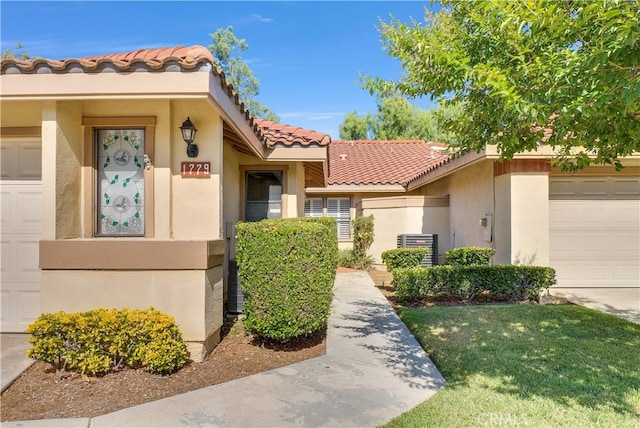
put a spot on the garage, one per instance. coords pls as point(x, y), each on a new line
point(595, 231)
point(20, 231)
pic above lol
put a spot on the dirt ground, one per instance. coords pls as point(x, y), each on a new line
point(42, 394)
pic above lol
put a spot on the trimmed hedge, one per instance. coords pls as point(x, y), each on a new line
point(508, 282)
point(469, 256)
point(404, 257)
point(104, 340)
point(287, 268)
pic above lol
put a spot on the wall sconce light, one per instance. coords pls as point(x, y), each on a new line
point(189, 130)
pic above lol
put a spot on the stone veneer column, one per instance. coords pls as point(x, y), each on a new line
point(522, 211)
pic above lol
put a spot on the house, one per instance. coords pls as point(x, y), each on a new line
point(585, 225)
point(103, 203)
point(106, 203)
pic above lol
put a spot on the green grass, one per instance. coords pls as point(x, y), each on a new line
point(527, 366)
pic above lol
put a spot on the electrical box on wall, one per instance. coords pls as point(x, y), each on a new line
point(487, 223)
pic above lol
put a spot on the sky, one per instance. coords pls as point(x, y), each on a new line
point(307, 55)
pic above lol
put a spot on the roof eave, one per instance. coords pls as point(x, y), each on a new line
point(357, 188)
point(446, 168)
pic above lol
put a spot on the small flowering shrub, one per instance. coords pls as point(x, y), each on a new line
point(103, 340)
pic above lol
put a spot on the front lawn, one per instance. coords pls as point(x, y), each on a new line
point(527, 365)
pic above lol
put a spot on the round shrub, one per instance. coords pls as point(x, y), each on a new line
point(103, 340)
point(287, 269)
point(469, 256)
point(404, 257)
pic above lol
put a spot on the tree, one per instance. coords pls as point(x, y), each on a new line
point(19, 53)
point(397, 119)
point(238, 73)
point(564, 73)
point(355, 127)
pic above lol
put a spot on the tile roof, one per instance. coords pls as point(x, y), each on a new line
point(179, 58)
point(188, 58)
point(382, 162)
point(275, 134)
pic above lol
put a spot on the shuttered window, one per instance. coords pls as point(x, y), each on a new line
point(313, 207)
point(338, 208)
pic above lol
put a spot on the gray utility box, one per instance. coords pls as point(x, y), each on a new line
point(236, 297)
point(421, 240)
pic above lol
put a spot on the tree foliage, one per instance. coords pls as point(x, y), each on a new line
point(226, 48)
point(564, 73)
point(18, 53)
point(397, 119)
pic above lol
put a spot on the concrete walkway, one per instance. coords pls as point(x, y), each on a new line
point(14, 358)
point(373, 371)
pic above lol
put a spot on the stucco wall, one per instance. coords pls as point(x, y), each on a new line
point(196, 209)
point(193, 298)
point(293, 188)
point(522, 219)
point(183, 209)
point(471, 198)
point(406, 215)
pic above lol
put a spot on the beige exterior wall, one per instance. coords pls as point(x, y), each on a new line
point(406, 215)
point(471, 198)
point(516, 212)
point(183, 210)
point(196, 209)
point(193, 298)
point(293, 192)
point(522, 219)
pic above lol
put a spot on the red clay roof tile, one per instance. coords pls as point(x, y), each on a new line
point(154, 59)
point(157, 59)
point(275, 134)
point(382, 162)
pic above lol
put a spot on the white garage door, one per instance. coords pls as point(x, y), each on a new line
point(595, 231)
point(20, 231)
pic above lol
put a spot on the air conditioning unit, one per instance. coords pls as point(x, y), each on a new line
point(236, 297)
point(421, 240)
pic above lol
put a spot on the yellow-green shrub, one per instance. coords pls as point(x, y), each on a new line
point(103, 340)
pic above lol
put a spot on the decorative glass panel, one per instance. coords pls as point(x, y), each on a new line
point(120, 182)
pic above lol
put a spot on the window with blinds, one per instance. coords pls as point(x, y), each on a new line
point(338, 208)
point(313, 207)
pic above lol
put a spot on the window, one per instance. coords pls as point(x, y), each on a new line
point(313, 207)
point(120, 182)
point(263, 195)
point(338, 208)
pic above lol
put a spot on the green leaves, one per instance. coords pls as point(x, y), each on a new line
point(520, 68)
point(101, 340)
point(287, 269)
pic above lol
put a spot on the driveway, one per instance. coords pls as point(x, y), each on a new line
point(621, 302)
point(13, 360)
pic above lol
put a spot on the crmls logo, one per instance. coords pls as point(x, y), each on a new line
point(500, 419)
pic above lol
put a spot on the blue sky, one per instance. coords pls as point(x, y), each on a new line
point(306, 54)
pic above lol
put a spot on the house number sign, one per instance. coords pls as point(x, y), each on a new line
point(195, 169)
